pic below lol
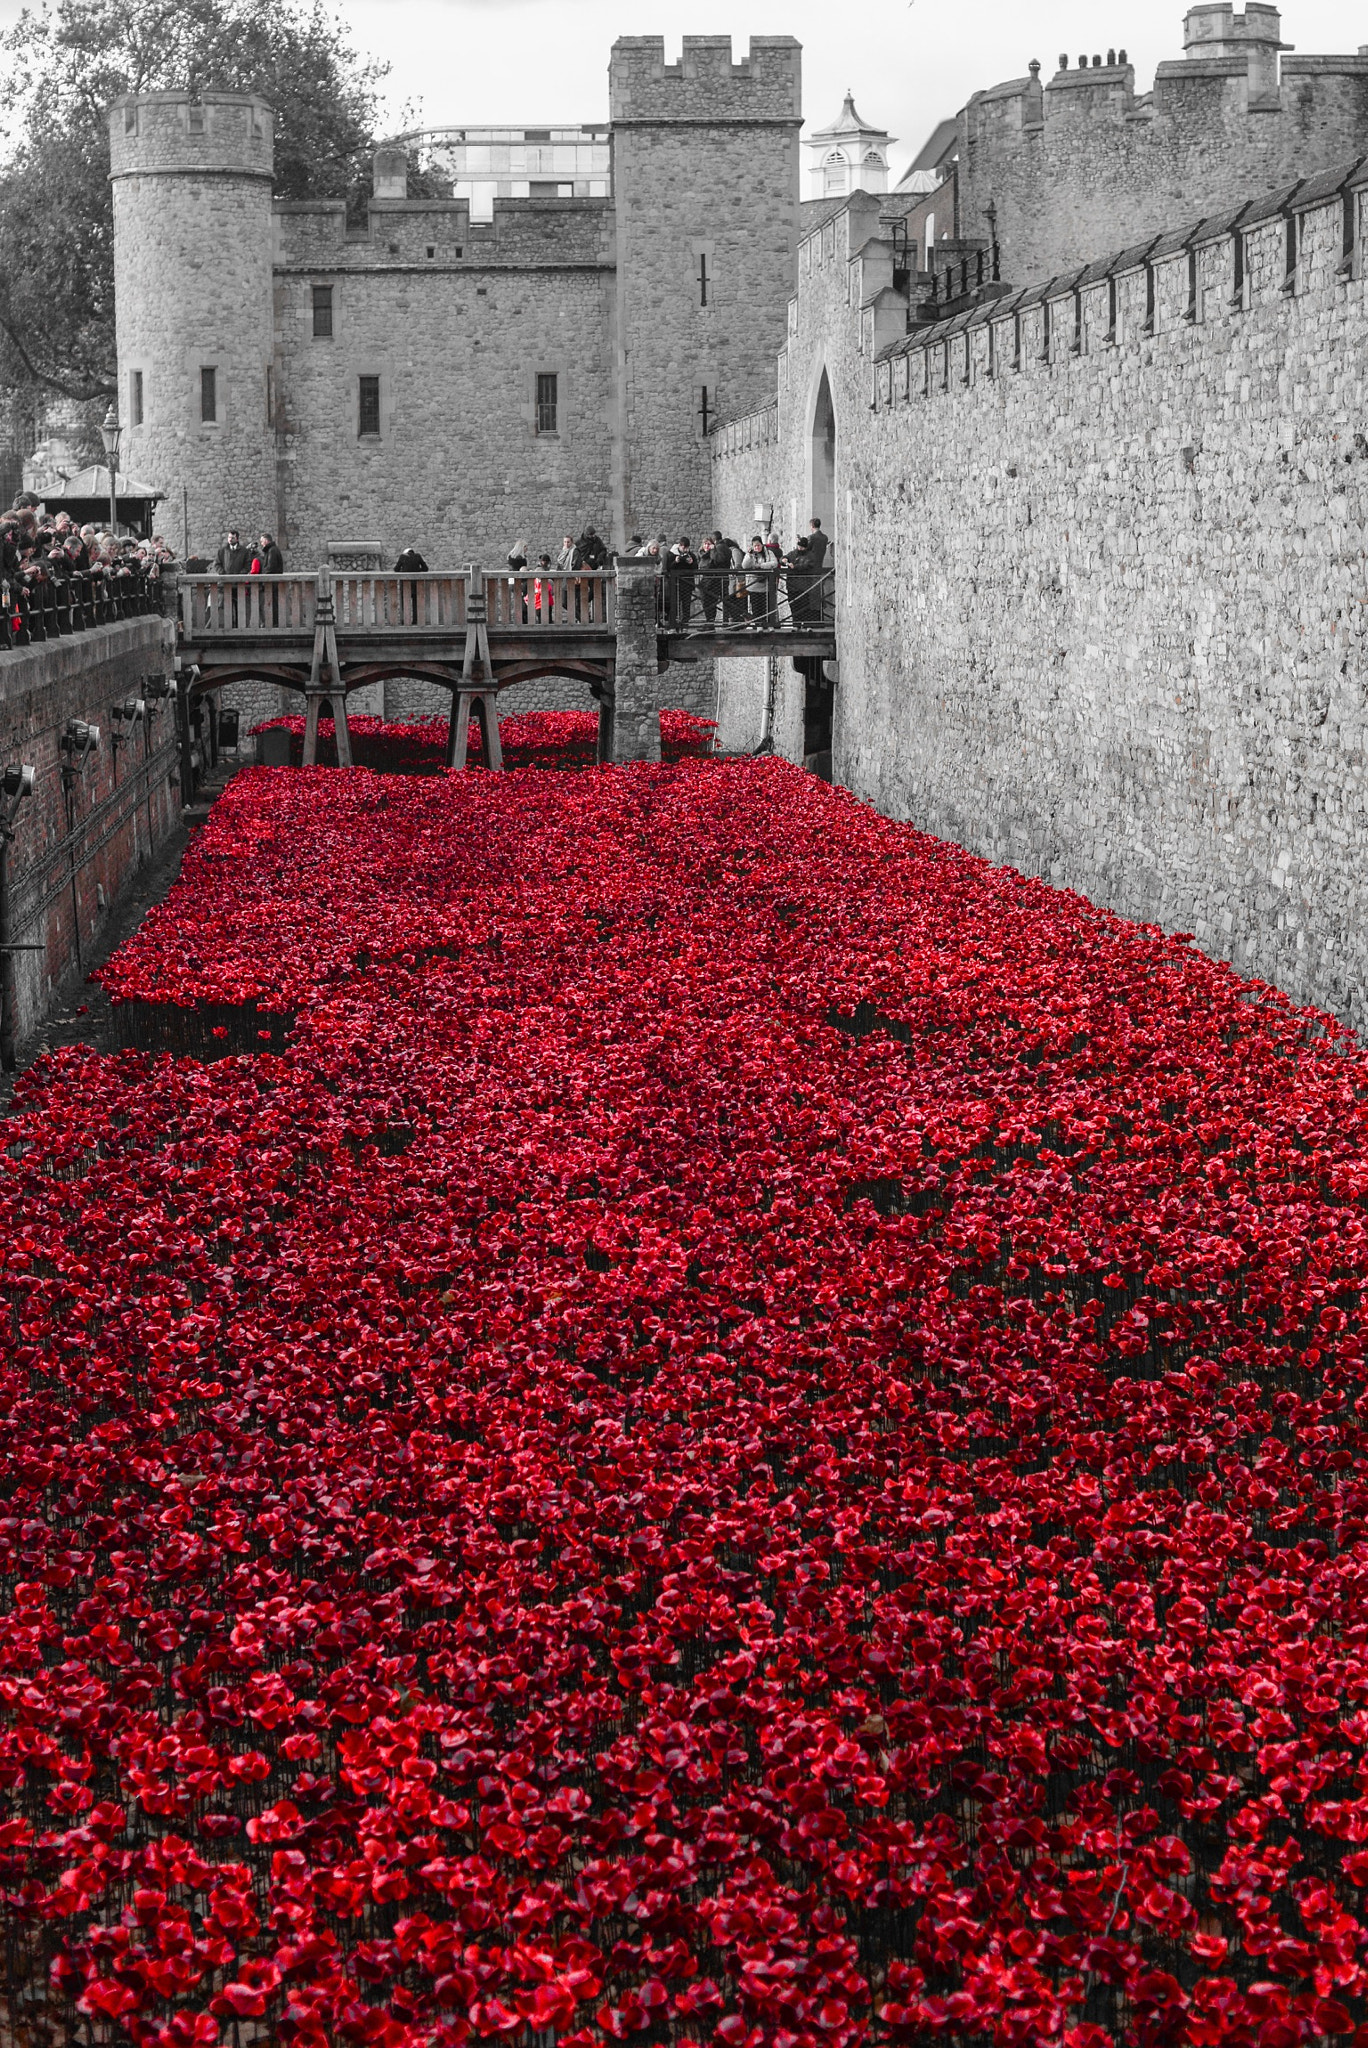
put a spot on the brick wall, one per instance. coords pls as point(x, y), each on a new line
point(76, 848)
point(1105, 617)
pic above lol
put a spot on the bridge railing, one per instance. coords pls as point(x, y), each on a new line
point(247, 605)
point(768, 598)
point(531, 602)
point(414, 604)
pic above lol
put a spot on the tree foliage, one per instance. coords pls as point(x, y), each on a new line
point(70, 60)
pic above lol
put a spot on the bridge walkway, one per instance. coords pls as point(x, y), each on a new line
point(475, 635)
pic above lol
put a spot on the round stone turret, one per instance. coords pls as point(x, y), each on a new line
point(193, 241)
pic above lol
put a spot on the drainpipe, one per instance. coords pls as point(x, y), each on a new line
point(16, 787)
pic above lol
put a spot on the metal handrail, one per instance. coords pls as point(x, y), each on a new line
point(48, 607)
point(793, 601)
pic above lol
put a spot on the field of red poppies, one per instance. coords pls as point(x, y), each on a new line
point(737, 1428)
point(533, 739)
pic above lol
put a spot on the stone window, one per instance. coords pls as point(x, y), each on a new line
point(369, 415)
point(548, 402)
point(323, 312)
point(209, 395)
point(195, 120)
point(130, 120)
point(135, 398)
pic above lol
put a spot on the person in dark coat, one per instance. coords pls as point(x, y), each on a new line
point(269, 555)
point(410, 563)
point(233, 559)
point(798, 582)
point(681, 574)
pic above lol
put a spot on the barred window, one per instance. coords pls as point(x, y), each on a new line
point(369, 427)
point(548, 402)
point(323, 312)
point(209, 395)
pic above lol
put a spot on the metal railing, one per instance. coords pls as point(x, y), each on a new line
point(769, 599)
point(51, 607)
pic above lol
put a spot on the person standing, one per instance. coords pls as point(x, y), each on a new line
point(760, 581)
point(567, 562)
point(711, 578)
point(410, 563)
point(233, 560)
point(819, 548)
point(798, 578)
point(682, 575)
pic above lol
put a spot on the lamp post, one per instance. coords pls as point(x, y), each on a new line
point(111, 431)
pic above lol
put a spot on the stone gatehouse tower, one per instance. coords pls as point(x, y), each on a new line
point(454, 384)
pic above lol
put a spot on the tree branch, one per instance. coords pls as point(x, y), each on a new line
point(103, 389)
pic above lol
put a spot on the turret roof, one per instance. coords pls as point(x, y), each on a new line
point(850, 125)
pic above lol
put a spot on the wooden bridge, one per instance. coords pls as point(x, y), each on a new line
point(469, 633)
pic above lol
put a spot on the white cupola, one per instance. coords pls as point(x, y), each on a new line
point(848, 157)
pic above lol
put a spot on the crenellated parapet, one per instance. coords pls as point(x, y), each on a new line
point(1065, 168)
point(706, 86)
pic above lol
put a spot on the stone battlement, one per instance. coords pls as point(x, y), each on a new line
point(217, 134)
point(1056, 172)
point(706, 87)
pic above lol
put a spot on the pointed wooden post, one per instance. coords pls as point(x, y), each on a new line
point(477, 691)
point(325, 680)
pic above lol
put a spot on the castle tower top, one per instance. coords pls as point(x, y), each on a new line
point(214, 134)
point(1216, 30)
point(705, 88)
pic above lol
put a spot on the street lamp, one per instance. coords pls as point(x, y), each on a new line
point(111, 431)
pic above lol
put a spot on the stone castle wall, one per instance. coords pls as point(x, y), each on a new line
point(194, 242)
point(705, 172)
point(458, 470)
point(75, 850)
point(1103, 615)
point(456, 319)
point(1082, 164)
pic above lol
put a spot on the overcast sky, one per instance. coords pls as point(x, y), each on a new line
point(541, 61)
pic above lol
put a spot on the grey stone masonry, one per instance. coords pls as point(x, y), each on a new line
point(1102, 610)
point(83, 835)
point(193, 238)
point(440, 381)
point(630, 718)
point(1058, 171)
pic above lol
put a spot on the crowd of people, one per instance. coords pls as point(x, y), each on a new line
point(760, 587)
point(57, 577)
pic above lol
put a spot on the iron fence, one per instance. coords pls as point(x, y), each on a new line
point(48, 607)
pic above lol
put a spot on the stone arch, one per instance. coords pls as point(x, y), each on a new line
point(823, 450)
